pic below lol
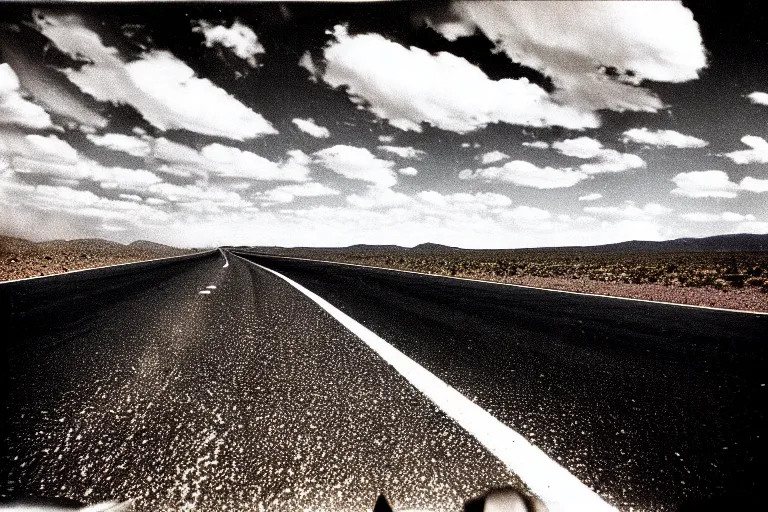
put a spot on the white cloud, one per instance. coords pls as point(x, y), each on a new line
point(232, 162)
point(594, 196)
point(452, 30)
point(379, 197)
point(119, 142)
point(717, 217)
point(307, 63)
point(410, 86)
point(386, 138)
point(629, 211)
point(607, 160)
point(52, 146)
point(239, 38)
point(657, 41)
point(704, 184)
point(212, 160)
point(464, 201)
point(663, 138)
point(758, 153)
point(493, 157)
point(527, 174)
point(62, 205)
point(287, 193)
point(358, 164)
point(14, 109)
point(538, 144)
point(529, 216)
point(46, 85)
point(404, 152)
point(50, 156)
point(35, 148)
point(309, 126)
point(194, 194)
point(163, 89)
point(759, 98)
point(408, 171)
point(751, 184)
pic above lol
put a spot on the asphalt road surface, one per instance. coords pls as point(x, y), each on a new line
point(129, 382)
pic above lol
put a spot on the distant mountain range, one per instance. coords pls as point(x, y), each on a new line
point(719, 243)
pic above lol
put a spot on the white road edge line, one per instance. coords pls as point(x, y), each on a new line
point(226, 261)
point(554, 485)
point(104, 266)
point(711, 308)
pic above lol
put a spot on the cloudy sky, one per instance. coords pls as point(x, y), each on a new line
point(472, 124)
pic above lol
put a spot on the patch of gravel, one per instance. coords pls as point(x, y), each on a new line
point(21, 258)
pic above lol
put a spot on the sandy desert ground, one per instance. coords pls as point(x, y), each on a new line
point(21, 258)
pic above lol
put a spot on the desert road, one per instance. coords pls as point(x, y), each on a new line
point(209, 382)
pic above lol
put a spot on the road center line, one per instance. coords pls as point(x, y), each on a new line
point(226, 261)
point(554, 485)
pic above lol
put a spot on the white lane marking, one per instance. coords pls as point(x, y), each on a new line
point(554, 485)
point(226, 261)
point(204, 292)
point(105, 266)
point(523, 286)
point(211, 287)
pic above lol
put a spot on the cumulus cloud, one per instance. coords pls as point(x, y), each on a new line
point(52, 157)
point(751, 184)
point(527, 174)
point(212, 160)
point(594, 196)
point(717, 217)
point(379, 197)
point(408, 171)
point(310, 127)
point(538, 144)
point(657, 41)
point(663, 138)
point(14, 109)
point(239, 38)
point(163, 89)
point(287, 193)
point(404, 151)
point(757, 154)
point(704, 184)
point(307, 63)
point(629, 210)
point(119, 142)
point(606, 160)
point(46, 86)
point(410, 86)
point(715, 184)
point(56, 201)
point(758, 98)
point(358, 164)
point(233, 162)
point(493, 157)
